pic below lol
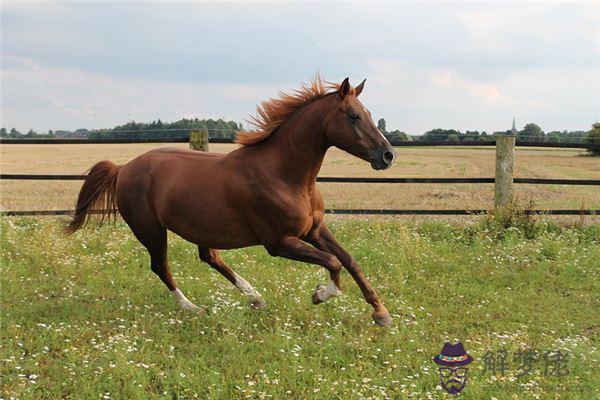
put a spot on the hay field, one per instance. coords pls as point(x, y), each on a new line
point(411, 162)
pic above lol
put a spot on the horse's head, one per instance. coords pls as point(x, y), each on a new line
point(349, 126)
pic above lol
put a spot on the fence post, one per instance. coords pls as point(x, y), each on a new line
point(199, 140)
point(505, 150)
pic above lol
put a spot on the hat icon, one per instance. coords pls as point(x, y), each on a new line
point(453, 355)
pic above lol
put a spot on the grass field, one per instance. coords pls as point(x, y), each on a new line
point(85, 318)
point(411, 162)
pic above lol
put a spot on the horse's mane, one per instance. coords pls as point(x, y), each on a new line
point(273, 113)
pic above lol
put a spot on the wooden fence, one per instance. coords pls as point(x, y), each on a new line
point(503, 180)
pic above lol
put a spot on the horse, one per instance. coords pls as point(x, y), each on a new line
point(262, 193)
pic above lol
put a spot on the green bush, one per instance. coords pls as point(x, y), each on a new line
point(514, 217)
point(593, 137)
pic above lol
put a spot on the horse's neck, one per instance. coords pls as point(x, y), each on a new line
point(299, 146)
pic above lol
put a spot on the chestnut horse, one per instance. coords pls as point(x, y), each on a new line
point(263, 193)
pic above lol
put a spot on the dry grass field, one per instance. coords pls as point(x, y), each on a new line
point(411, 162)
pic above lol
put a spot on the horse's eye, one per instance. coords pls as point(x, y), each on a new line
point(354, 117)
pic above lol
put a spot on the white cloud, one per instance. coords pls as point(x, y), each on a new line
point(417, 99)
point(63, 98)
point(485, 28)
point(411, 98)
point(447, 79)
point(435, 86)
point(460, 65)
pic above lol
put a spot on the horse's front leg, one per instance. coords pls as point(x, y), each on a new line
point(293, 248)
point(322, 238)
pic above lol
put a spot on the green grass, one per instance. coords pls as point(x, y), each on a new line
point(84, 317)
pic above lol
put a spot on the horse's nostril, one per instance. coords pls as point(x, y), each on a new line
point(388, 156)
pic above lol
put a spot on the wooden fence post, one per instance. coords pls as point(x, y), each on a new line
point(199, 140)
point(505, 151)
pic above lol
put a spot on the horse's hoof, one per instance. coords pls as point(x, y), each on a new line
point(317, 295)
point(194, 309)
point(258, 304)
point(316, 299)
point(382, 319)
point(189, 306)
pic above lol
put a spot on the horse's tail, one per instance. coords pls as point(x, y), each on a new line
point(97, 195)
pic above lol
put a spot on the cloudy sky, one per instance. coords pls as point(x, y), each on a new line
point(463, 65)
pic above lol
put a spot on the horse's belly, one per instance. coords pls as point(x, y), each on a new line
point(216, 238)
point(216, 229)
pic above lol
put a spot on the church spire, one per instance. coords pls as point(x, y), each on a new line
point(513, 131)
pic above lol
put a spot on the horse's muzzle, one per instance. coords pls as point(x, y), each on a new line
point(382, 158)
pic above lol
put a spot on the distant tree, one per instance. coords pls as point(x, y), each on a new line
point(165, 130)
point(531, 133)
point(593, 137)
point(553, 137)
point(484, 137)
point(472, 136)
point(452, 138)
point(3, 132)
point(381, 125)
point(397, 136)
point(80, 133)
point(14, 132)
point(573, 136)
point(441, 134)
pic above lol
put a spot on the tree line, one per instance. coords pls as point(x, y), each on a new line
point(140, 130)
point(530, 133)
point(227, 129)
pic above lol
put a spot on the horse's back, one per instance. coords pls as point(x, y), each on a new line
point(165, 161)
point(185, 152)
point(169, 160)
point(188, 192)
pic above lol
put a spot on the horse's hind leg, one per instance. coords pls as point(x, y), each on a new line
point(133, 202)
point(212, 258)
point(157, 247)
point(154, 238)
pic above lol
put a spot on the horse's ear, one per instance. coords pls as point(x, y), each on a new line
point(345, 88)
point(358, 90)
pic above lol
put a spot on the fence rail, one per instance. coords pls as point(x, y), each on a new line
point(542, 181)
point(351, 211)
point(333, 179)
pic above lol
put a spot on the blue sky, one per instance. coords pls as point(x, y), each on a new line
point(449, 65)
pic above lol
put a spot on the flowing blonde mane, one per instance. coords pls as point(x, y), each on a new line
point(273, 113)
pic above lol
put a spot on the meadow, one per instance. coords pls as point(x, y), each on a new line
point(84, 317)
point(411, 162)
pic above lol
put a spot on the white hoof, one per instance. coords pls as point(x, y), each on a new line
point(184, 303)
point(255, 298)
point(189, 307)
point(325, 292)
